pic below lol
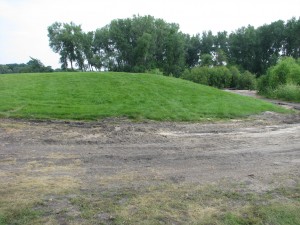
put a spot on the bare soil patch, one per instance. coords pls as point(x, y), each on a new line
point(55, 162)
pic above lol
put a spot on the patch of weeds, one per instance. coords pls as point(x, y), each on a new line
point(2, 220)
point(20, 217)
point(273, 213)
point(102, 206)
point(168, 203)
point(292, 193)
point(284, 214)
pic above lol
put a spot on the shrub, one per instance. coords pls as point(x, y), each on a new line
point(235, 76)
point(221, 77)
point(262, 85)
point(282, 80)
point(286, 71)
point(155, 71)
point(289, 92)
point(197, 74)
point(247, 81)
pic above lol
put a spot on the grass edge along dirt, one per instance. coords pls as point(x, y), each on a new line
point(163, 203)
point(93, 96)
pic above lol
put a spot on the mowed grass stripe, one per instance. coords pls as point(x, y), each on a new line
point(91, 96)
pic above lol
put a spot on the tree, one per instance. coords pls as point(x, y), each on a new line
point(292, 38)
point(206, 60)
point(207, 43)
point(5, 69)
point(244, 49)
point(103, 49)
point(66, 39)
point(33, 66)
point(143, 43)
point(271, 40)
point(220, 58)
point(193, 46)
point(174, 61)
point(140, 44)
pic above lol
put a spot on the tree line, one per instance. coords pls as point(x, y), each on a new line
point(32, 66)
point(144, 43)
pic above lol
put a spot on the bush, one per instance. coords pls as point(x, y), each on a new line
point(236, 76)
point(289, 92)
point(198, 75)
point(247, 81)
point(262, 85)
point(221, 77)
point(155, 71)
point(286, 71)
point(282, 80)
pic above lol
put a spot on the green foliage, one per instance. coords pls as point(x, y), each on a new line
point(142, 43)
point(236, 76)
point(138, 96)
point(247, 81)
point(33, 66)
point(155, 71)
point(289, 92)
point(276, 213)
point(282, 81)
point(243, 46)
point(19, 216)
point(206, 60)
point(68, 40)
point(192, 49)
point(221, 77)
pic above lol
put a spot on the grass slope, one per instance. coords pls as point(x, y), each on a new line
point(89, 96)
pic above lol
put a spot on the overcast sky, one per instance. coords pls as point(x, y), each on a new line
point(23, 23)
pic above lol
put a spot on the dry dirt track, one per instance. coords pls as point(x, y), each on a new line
point(253, 150)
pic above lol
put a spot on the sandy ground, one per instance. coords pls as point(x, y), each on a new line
point(251, 150)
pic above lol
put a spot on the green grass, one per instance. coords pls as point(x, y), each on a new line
point(167, 203)
point(21, 216)
point(287, 92)
point(91, 96)
point(131, 198)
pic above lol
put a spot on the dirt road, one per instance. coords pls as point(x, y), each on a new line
point(50, 157)
point(201, 152)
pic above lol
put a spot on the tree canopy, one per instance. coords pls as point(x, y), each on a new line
point(144, 43)
point(33, 66)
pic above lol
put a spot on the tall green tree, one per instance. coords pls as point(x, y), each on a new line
point(244, 48)
point(207, 43)
point(66, 39)
point(292, 38)
point(193, 46)
point(271, 40)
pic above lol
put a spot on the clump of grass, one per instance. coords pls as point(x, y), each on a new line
point(91, 96)
point(272, 213)
point(138, 201)
point(23, 191)
point(289, 92)
point(169, 203)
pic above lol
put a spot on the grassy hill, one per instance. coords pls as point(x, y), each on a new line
point(89, 96)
